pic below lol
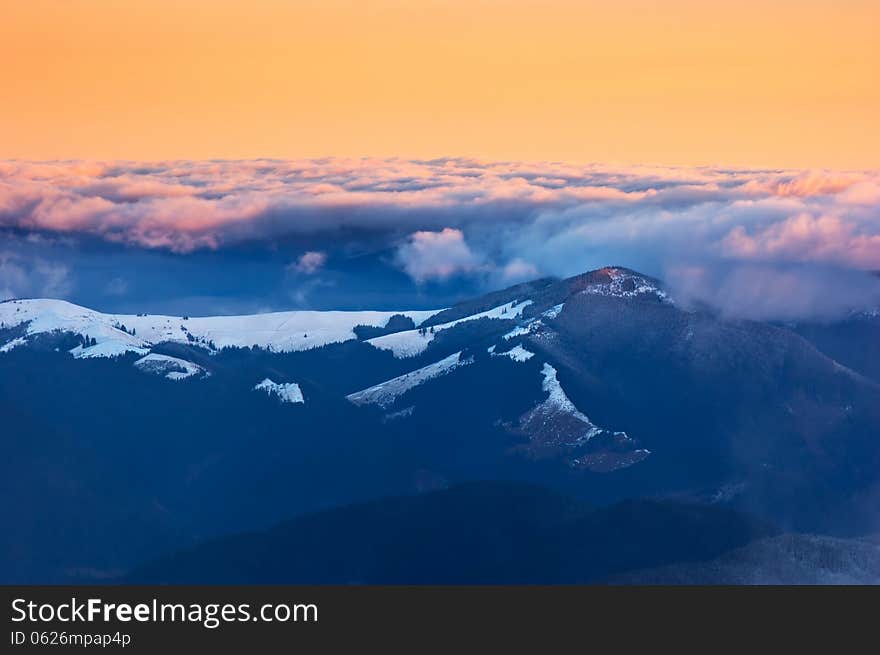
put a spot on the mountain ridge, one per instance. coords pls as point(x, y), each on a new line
point(599, 386)
point(477, 533)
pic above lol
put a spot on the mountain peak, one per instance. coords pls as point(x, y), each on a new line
point(616, 281)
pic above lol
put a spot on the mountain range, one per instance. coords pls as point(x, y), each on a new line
point(133, 441)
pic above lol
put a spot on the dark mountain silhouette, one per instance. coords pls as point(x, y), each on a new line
point(480, 533)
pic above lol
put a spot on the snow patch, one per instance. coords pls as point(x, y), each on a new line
point(15, 343)
point(414, 342)
point(554, 311)
point(406, 412)
point(172, 368)
point(287, 392)
point(521, 330)
point(625, 284)
point(386, 393)
point(517, 354)
point(110, 348)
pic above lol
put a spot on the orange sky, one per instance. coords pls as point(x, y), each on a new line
point(680, 81)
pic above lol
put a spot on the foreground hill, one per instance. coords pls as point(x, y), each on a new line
point(481, 533)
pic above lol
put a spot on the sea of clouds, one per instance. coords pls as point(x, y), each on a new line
point(780, 244)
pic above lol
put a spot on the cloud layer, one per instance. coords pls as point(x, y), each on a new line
point(506, 221)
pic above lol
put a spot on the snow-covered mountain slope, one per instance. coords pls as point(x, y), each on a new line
point(558, 406)
point(556, 427)
point(288, 392)
point(534, 325)
point(172, 368)
point(414, 342)
point(111, 335)
point(386, 393)
point(553, 312)
point(115, 334)
point(517, 354)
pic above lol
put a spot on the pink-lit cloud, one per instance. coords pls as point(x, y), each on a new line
point(182, 206)
point(506, 221)
point(309, 262)
point(437, 255)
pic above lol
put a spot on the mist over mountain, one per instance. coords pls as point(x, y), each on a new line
point(781, 560)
